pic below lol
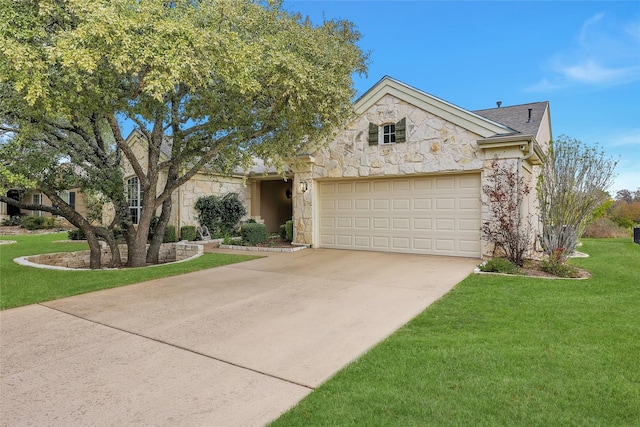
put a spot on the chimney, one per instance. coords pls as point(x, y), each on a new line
point(529, 120)
point(499, 103)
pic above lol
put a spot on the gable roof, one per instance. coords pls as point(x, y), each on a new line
point(517, 116)
point(483, 126)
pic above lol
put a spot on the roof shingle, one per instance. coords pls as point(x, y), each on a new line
point(517, 117)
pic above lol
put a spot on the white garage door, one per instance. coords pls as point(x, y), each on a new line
point(437, 215)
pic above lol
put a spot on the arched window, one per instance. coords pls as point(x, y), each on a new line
point(134, 198)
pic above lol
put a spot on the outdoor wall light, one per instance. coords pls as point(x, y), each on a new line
point(303, 186)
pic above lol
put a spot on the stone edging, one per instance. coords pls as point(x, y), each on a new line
point(262, 249)
point(24, 262)
point(478, 271)
point(7, 242)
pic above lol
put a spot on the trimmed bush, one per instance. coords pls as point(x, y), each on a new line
point(220, 215)
point(283, 232)
point(33, 222)
point(12, 221)
point(188, 232)
point(498, 265)
point(169, 234)
point(49, 222)
point(253, 233)
point(76, 234)
point(289, 230)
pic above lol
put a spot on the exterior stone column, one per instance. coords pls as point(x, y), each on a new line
point(303, 206)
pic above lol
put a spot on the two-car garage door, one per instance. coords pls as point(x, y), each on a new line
point(438, 215)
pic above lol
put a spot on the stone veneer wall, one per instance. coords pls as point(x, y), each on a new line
point(433, 145)
point(169, 252)
point(184, 212)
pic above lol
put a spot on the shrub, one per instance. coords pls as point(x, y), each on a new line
point(283, 232)
point(33, 222)
point(605, 227)
point(555, 265)
point(169, 234)
point(571, 186)
point(289, 230)
point(76, 234)
point(49, 222)
point(507, 229)
point(499, 265)
point(188, 232)
point(220, 215)
point(12, 221)
point(254, 234)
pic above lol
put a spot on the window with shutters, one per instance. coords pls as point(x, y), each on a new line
point(391, 133)
point(69, 197)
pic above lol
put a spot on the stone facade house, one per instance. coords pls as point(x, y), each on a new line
point(406, 174)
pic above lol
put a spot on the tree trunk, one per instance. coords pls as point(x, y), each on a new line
point(116, 258)
point(137, 248)
point(158, 236)
point(137, 238)
point(95, 257)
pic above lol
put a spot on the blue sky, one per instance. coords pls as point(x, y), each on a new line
point(581, 56)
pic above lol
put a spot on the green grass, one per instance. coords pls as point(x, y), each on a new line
point(503, 351)
point(21, 285)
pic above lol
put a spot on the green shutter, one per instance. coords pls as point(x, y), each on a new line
point(401, 130)
point(373, 134)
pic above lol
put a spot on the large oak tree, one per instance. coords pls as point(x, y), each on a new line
point(217, 82)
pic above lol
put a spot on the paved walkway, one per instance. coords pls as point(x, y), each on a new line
point(231, 346)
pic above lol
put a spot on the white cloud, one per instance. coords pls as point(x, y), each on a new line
point(585, 32)
point(603, 54)
point(626, 138)
point(591, 72)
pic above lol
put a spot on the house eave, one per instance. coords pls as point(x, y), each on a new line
point(523, 142)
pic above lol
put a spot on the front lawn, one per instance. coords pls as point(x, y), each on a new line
point(503, 351)
point(21, 285)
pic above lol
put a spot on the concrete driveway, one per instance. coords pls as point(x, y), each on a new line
point(231, 346)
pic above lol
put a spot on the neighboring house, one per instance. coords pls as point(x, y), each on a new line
point(73, 196)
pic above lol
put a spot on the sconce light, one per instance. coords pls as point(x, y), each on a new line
point(303, 186)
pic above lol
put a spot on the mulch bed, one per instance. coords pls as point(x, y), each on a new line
point(534, 269)
point(276, 242)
